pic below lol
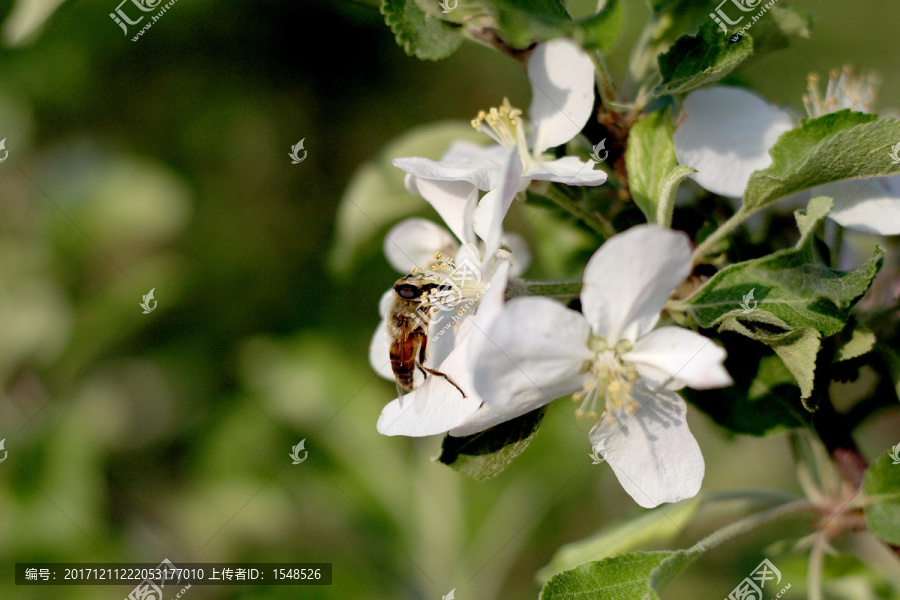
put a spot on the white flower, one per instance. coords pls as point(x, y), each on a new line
point(610, 358)
point(726, 133)
point(479, 270)
point(562, 77)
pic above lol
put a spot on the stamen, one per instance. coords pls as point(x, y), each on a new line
point(844, 90)
point(609, 379)
point(505, 126)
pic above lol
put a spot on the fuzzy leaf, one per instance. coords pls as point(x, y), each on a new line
point(697, 60)
point(796, 348)
point(599, 32)
point(833, 147)
point(787, 289)
point(487, 453)
point(656, 525)
point(524, 22)
point(418, 33)
point(667, 189)
point(622, 577)
point(634, 576)
point(649, 159)
point(859, 340)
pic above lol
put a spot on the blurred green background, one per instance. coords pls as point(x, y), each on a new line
point(163, 163)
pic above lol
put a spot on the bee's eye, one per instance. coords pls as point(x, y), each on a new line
point(408, 292)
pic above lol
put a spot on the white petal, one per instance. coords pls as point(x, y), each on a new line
point(491, 304)
point(627, 281)
point(653, 454)
point(463, 161)
point(453, 329)
point(872, 205)
point(465, 151)
point(379, 351)
point(680, 355)
point(488, 216)
point(532, 354)
point(562, 88)
point(725, 133)
point(519, 254)
point(413, 242)
point(568, 170)
point(450, 199)
point(436, 406)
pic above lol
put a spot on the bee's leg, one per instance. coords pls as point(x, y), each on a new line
point(445, 376)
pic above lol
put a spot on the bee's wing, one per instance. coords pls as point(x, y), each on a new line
point(405, 349)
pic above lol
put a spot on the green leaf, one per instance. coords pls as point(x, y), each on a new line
point(858, 340)
point(882, 488)
point(788, 300)
point(778, 27)
point(622, 577)
point(787, 289)
point(833, 147)
point(656, 525)
point(650, 157)
point(599, 32)
point(667, 190)
point(376, 198)
point(764, 399)
point(521, 23)
point(697, 60)
point(489, 452)
point(418, 33)
point(635, 576)
point(796, 348)
point(641, 575)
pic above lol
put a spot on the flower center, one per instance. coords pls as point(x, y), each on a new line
point(505, 126)
point(461, 284)
point(610, 381)
point(844, 90)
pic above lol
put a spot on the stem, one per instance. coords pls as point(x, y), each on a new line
point(746, 524)
point(561, 290)
point(567, 204)
point(773, 496)
point(723, 230)
point(814, 574)
point(604, 81)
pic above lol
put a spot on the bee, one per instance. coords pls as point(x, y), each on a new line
point(408, 330)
